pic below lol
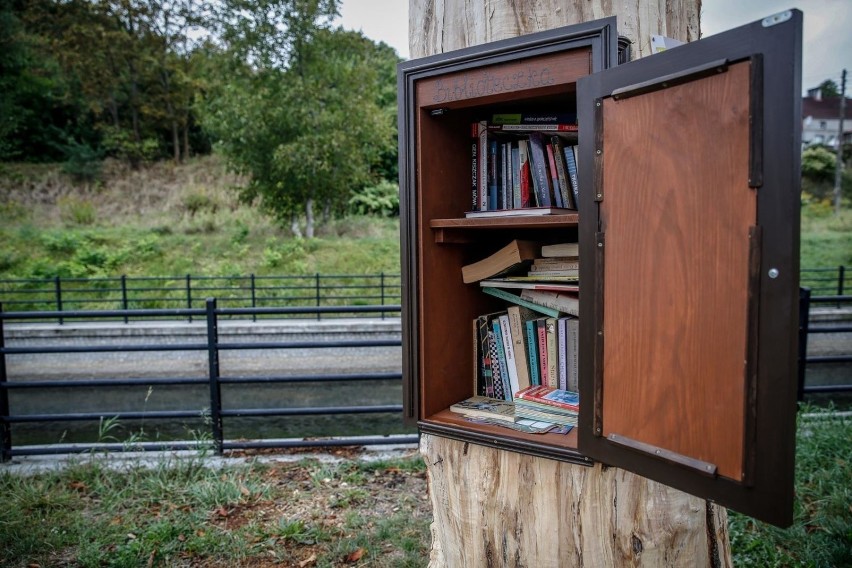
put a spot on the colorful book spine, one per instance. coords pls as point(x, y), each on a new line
point(552, 358)
point(496, 371)
point(485, 355)
point(565, 187)
point(517, 202)
point(519, 344)
point(541, 330)
point(554, 179)
point(515, 299)
point(573, 341)
point(501, 359)
point(474, 168)
point(493, 176)
point(527, 193)
point(482, 165)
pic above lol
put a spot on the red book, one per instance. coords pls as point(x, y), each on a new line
point(551, 397)
point(524, 174)
point(541, 332)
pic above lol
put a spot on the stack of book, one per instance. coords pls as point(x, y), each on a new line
point(524, 163)
point(535, 340)
point(556, 406)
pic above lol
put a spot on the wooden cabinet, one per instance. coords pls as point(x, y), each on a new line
point(688, 229)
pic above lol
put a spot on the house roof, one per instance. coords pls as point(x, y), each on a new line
point(825, 108)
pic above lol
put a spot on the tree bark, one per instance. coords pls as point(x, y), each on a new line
point(437, 26)
point(309, 218)
point(498, 508)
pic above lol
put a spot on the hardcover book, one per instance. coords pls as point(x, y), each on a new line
point(527, 211)
point(509, 352)
point(539, 169)
point(559, 398)
point(515, 299)
point(518, 316)
point(527, 284)
point(569, 152)
point(562, 169)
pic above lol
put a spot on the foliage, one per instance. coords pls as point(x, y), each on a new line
point(300, 113)
point(818, 163)
point(829, 89)
point(381, 200)
point(82, 161)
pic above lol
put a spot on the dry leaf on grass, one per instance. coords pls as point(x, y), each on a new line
point(355, 555)
point(307, 561)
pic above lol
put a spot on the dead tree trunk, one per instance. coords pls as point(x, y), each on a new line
point(498, 508)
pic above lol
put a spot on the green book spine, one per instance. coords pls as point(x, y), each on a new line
point(501, 355)
point(532, 350)
point(509, 297)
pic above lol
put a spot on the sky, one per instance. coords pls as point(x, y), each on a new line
point(827, 45)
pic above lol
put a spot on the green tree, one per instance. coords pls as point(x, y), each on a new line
point(298, 113)
point(829, 89)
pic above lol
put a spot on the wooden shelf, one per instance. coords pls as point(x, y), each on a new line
point(452, 230)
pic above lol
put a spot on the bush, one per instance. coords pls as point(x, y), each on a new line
point(82, 162)
point(381, 200)
point(76, 211)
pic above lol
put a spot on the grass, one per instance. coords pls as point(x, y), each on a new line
point(185, 514)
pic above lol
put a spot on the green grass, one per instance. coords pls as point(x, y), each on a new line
point(183, 513)
point(821, 534)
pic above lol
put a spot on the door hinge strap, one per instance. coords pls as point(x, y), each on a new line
point(705, 468)
point(666, 81)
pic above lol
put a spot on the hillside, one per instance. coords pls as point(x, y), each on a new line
point(167, 220)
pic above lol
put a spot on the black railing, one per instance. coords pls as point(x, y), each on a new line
point(806, 300)
point(162, 292)
point(824, 281)
point(216, 413)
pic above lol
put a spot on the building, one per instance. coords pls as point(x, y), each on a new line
point(820, 118)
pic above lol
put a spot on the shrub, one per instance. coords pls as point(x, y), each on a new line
point(381, 200)
point(76, 211)
point(82, 162)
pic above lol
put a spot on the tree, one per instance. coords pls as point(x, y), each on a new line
point(300, 113)
point(829, 89)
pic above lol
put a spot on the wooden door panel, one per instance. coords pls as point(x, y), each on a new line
point(677, 268)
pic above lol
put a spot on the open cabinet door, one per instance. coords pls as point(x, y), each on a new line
point(690, 244)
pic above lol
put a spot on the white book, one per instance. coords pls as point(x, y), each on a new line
point(508, 349)
point(562, 352)
point(573, 341)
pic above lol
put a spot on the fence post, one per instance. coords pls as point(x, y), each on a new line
point(253, 298)
point(319, 315)
point(804, 323)
point(124, 305)
point(189, 295)
point(57, 286)
point(382, 275)
point(213, 370)
point(5, 427)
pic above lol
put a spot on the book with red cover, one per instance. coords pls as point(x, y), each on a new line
point(558, 398)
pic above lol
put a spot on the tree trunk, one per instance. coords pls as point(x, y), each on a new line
point(436, 26)
point(294, 226)
point(498, 508)
point(309, 218)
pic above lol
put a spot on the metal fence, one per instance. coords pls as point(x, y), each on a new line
point(215, 414)
point(806, 301)
point(824, 281)
point(127, 293)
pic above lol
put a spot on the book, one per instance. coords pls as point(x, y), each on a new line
point(552, 353)
point(559, 398)
point(496, 370)
point(518, 316)
point(516, 175)
point(550, 127)
point(515, 299)
point(526, 211)
point(562, 302)
point(544, 413)
point(527, 195)
point(531, 336)
point(533, 118)
point(569, 152)
point(541, 334)
point(565, 186)
point(548, 276)
point(572, 339)
point(562, 352)
point(474, 168)
point(555, 263)
point(516, 255)
point(561, 249)
point(486, 407)
point(509, 353)
point(539, 169)
point(554, 180)
point(482, 165)
point(513, 283)
point(493, 175)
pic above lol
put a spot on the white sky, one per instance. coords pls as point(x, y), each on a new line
point(827, 33)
